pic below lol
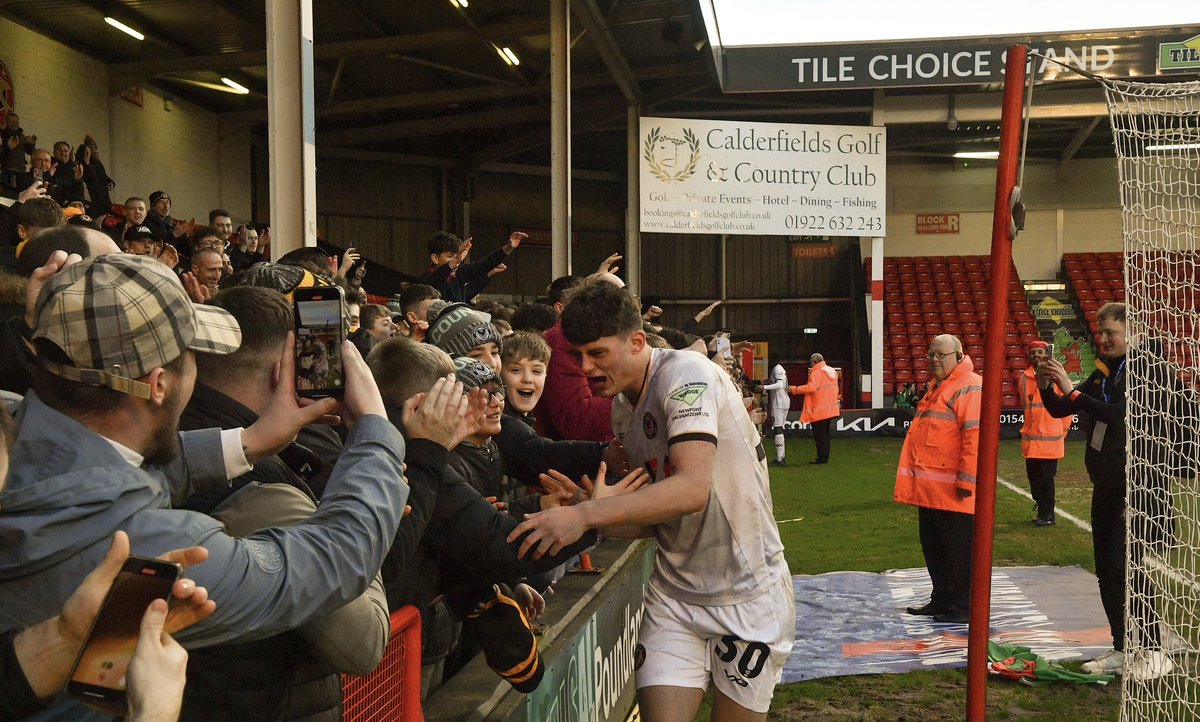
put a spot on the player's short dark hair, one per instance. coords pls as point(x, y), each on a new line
point(535, 317)
point(599, 309)
point(444, 242)
point(559, 287)
point(265, 317)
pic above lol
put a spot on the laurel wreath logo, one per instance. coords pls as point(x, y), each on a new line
point(656, 168)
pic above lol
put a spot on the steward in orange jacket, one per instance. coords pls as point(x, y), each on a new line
point(1042, 437)
point(936, 473)
point(822, 403)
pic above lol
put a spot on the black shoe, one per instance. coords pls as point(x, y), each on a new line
point(929, 610)
point(1049, 521)
point(958, 616)
point(818, 461)
point(779, 462)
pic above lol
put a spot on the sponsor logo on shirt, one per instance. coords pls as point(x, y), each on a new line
point(689, 393)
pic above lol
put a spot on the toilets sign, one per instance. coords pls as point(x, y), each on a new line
point(702, 176)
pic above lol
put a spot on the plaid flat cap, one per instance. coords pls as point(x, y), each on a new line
point(118, 317)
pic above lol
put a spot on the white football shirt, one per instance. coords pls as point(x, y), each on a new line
point(729, 552)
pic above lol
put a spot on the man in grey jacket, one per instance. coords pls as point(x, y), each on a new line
point(98, 450)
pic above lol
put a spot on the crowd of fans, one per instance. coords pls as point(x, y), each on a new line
point(150, 366)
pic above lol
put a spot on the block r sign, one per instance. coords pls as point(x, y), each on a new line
point(937, 223)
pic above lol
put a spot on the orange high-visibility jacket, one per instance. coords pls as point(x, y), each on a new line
point(942, 447)
point(821, 399)
point(1042, 436)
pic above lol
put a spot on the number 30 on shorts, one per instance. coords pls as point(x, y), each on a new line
point(753, 658)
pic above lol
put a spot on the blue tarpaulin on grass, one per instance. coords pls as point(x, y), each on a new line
point(855, 623)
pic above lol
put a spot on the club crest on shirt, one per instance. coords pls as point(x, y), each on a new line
point(649, 425)
point(689, 393)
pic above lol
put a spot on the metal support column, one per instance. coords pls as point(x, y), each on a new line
point(633, 224)
point(291, 125)
point(560, 139)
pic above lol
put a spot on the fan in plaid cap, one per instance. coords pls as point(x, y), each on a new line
point(119, 316)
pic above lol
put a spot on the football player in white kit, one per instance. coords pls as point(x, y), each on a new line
point(781, 403)
point(719, 605)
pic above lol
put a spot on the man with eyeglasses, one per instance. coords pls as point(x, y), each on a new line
point(936, 474)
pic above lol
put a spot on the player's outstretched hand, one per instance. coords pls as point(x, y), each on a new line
point(548, 531)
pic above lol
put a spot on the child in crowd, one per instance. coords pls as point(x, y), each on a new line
point(523, 370)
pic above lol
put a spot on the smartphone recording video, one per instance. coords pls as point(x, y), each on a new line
point(99, 676)
point(319, 314)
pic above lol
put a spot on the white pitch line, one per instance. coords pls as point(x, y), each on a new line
point(1057, 512)
point(785, 521)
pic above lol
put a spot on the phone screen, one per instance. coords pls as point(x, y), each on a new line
point(319, 337)
point(99, 676)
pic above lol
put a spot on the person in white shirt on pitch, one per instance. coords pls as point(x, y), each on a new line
point(719, 605)
point(780, 404)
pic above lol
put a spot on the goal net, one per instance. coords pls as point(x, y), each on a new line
point(1156, 130)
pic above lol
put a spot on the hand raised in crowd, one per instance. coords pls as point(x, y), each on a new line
point(184, 229)
point(514, 241)
point(169, 257)
point(55, 263)
point(438, 414)
point(707, 311)
point(741, 346)
point(533, 605)
point(607, 265)
point(652, 313)
point(627, 484)
point(561, 491)
point(462, 254)
point(500, 268)
point(37, 189)
point(78, 172)
point(477, 403)
point(158, 670)
point(286, 414)
point(349, 258)
point(196, 291)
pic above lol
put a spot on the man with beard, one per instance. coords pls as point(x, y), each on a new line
point(98, 450)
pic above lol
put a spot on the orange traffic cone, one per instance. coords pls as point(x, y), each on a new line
point(585, 565)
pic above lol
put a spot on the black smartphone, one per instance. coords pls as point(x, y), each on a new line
point(320, 329)
point(99, 676)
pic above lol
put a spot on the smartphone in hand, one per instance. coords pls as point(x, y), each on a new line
point(99, 676)
point(319, 315)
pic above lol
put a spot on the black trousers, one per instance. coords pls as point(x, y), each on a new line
point(1041, 474)
point(946, 542)
point(820, 431)
point(1150, 520)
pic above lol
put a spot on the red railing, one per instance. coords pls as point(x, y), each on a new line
point(392, 693)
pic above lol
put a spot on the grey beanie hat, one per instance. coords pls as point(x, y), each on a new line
point(458, 328)
point(472, 373)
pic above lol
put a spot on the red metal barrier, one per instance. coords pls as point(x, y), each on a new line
point(392, 693)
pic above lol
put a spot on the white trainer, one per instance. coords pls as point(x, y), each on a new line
point(1108, 663)
point(1149, 664)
